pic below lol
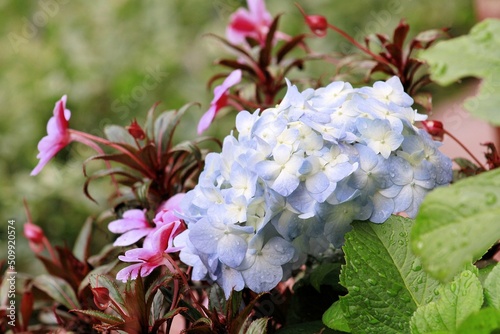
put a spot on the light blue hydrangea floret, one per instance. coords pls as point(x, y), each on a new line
point(296, 176)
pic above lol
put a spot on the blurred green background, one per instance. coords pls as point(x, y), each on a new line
point(115, 59)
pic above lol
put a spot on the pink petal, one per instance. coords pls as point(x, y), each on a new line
point(172, 203)
point(259, 11)
point(138, 255)
point(132, 219)
point(57, 135)
point(206, 120)
point(131, 272)
point(232, 79)
point(131, 237)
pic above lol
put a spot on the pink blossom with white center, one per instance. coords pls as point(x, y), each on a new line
point(57, 137)
point(153, 254)
point(253, 23)
point(219, 101)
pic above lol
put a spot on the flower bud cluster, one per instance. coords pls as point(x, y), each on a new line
point(297, 175)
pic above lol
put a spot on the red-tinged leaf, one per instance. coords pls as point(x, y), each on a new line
point(49, 265)
point(149, 125)
point(105, 282)
point(425, 39)
point(169, 315)
point(103, 317)
point(165, 126)
point(298, 63)
point(161, 281)
point(265, 52)
point(73, 270)
point(234, 305)
point(106, 255)
point(217, 299)
point(135, 303)
point(82, 243)
point(107, 172)
point(58, 289)
point(289, 46)
point(419, 83)
point(215, 78)
point(258, 326)
point(394, 55)
point(400, 34)
point(384, 68)
point(383, 39)
point(236, 48)
point(118, 134)
point(26, 308)
point(491, 155)
point(424, 99)
point(240, 320)
point(100, 270)
point(148, 155)
point(234, 64)
point(122, 158)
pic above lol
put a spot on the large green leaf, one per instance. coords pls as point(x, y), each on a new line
point(458, 224)
point(476, 54)
point(485, 321)
point(385, 280)
point(458, 300)
point(335, 318)
point(492, 288)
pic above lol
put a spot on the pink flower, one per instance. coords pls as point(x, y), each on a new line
point(219, 101)
point(134, 225)
point(57, 137)
point(153, 254)
point(254, 23)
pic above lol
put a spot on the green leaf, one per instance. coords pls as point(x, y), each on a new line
point(258, 326)
point(58, 289)
point(492, 287)
point(385, 280)
point(325, 274)
point(165, 126)
point(82, 243)
point(485, 321)
point(104, 317)
point(458, 224)
point(106, 282)
point(119, 134)
point(478, 57)
point(217, 299)
point(335, 318)
point(458, 299)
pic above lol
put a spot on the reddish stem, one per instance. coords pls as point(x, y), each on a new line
point(358, 45)
point(465, 149)
point(149, 173)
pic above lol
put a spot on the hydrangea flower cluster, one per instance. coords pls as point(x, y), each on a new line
point(297, 175)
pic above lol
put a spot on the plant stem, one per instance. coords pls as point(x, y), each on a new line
point(465, 149)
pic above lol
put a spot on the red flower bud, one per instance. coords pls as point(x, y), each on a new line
point(35, 236)
point(33, 232)
point(136, 131)
point(435, 129)
point(317, 23)
point(101, 297)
